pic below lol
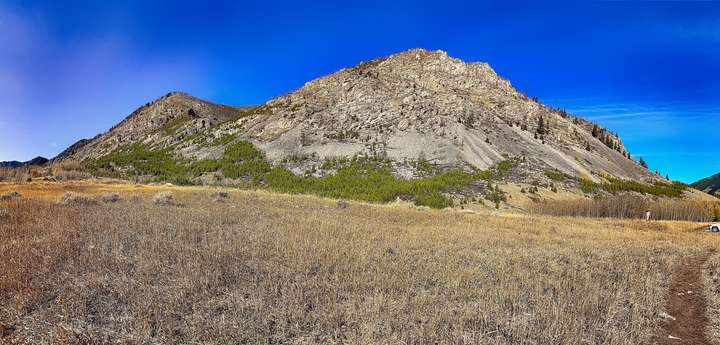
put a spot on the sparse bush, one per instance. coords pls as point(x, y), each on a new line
point(424, 168)
point(163, 198)
point(219, 196)
point(557, 175)
point(10, 196)
point(615, 185)
point(173, 125)
point(110, 198)
point(496, 195)
point(77, 199)
point(223, 140)
point(433, 200)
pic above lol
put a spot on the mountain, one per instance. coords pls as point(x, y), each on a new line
point(33, 162)
point(411, 106)
point(164, 121)
point(709, 185)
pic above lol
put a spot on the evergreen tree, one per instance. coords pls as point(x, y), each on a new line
point(541, 130)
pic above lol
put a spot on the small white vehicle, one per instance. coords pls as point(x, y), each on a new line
point(714, 228)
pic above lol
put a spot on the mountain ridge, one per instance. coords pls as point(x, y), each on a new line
point(412, 105)
point(710, 184)
point(16, 164)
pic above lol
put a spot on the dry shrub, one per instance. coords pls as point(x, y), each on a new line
point(68, 171)
point(10, 196)
point(6, 174)
point(342, 204)
point(78, 199)
point(631, 207)
point(16, 175)
point(110, 198)
point(163, 198)
point(219, 196)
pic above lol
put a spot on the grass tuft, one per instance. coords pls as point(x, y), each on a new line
point(78, 199)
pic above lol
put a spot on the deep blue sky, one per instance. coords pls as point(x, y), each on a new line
point(648, 70)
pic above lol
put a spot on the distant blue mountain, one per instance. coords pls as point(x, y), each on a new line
point(33, 162)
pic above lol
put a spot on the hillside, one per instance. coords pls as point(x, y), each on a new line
point(418, 112)
point(709, 185)
point(161, 123)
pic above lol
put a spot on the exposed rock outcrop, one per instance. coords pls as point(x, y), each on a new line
point(414, 104)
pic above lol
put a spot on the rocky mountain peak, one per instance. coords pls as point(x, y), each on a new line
point(406, 106)
point(165, 120)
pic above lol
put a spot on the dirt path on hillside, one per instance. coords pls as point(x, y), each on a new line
point(685, 320)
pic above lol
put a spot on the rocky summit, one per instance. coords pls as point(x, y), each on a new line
point(411, 106)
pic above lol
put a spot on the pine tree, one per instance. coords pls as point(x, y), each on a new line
point(595, 131)
point(541, 130)
point(643, 163)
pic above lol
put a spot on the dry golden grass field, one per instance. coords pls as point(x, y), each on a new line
point(262, 268)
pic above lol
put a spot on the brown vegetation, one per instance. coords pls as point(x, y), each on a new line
point(15, 175)
point(77, 199)
point(163, 198)
point(712, 295)
point(279, 269)
point(68, 171)
point(63, 171)
point(631, 206)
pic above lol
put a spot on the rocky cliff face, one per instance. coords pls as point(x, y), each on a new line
point(415, 104)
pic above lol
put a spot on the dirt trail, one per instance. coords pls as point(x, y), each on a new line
point(686, 320)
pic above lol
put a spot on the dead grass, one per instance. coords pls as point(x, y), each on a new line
point(712, 295)
point(274, 269)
